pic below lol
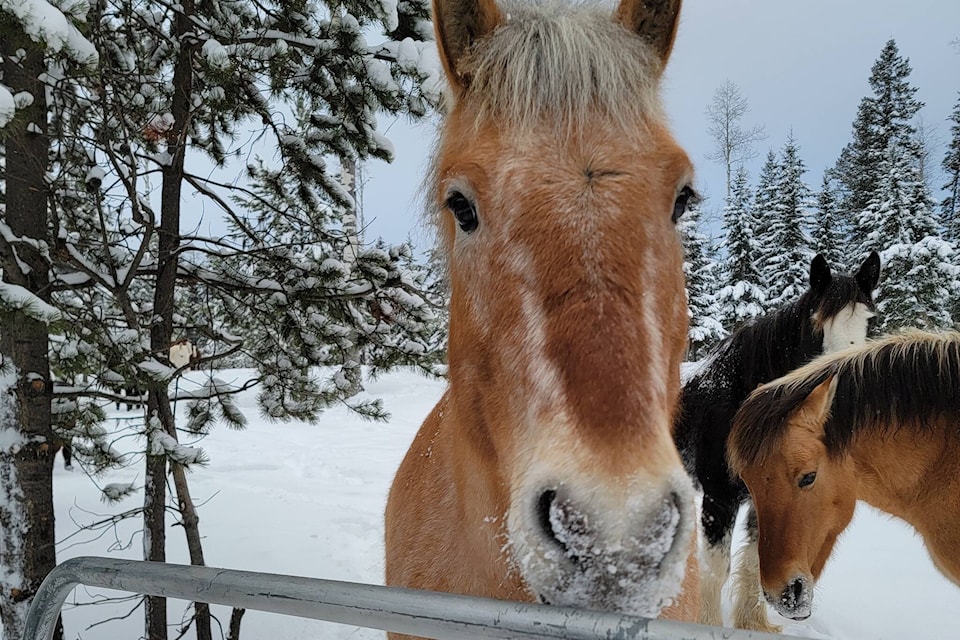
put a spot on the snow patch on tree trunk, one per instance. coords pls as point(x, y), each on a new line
point(14, 529)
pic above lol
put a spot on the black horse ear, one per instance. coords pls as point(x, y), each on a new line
point(819, 273)
point(868, 277)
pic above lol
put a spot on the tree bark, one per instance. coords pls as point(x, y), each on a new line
point(27, 536)
point(161, 332)
point(235, 617)
point(155, 534)
point(348, 177)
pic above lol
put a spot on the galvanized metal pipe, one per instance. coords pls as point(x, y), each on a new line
point(442, 616)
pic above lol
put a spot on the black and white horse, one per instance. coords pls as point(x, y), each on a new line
point(832, 314)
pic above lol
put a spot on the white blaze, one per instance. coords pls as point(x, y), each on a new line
point(847, 328)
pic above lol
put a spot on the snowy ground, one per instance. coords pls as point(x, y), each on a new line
point(308, 500)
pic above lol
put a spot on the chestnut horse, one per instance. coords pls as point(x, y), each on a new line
point(548, 471)
point(831, 314)
point(878, 423)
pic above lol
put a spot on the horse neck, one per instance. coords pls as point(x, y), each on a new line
point(769, 347)
point(907, 471)
point(915, 476)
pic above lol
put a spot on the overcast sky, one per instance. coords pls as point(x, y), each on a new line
point(801, 64)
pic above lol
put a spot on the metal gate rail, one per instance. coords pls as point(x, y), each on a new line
point(442, 616)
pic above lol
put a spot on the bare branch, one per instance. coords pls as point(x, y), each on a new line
point(732, 144)
point(139, 600)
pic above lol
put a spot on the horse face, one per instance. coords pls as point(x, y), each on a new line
point(804, 499)
point(558, 187)
point(845, 303)
point(568, 325)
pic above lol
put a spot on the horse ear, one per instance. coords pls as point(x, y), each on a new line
point(816, 408)
point(819, 273)
point(868, 276)
point(458, 24)
point(653, 20)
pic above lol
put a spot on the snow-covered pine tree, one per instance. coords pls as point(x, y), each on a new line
point(764, 201)
point(37, 41)
point(950, 207)
point(766, 186)
point(829, 231)
point(883, 119)
point(785, 270)
point(308, 307)
point(179, 81)
point(426, 275)
point(700, 267)
point(741, 297)
point(920, 278)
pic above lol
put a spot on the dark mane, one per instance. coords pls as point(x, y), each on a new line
point(842, 291)
point(763, 349)
point(906, 379)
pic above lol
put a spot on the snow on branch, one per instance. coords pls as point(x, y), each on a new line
point(162, 443)
point(117, 491)
point(156, 371)
point(46, 24)
point(16, 298)
point(7, 105)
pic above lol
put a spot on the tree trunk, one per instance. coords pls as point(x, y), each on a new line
point(191, 527)
point(27, 536)
point(161, 332)
point(348, 177)
point(155, 535)
point(235, 617)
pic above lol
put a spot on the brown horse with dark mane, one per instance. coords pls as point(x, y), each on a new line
point(878, 423)
point(548, 470)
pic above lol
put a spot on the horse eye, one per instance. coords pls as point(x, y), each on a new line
point(464, 211)
point(685, 199)
point(807, 479)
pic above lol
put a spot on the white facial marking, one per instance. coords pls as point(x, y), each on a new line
point(847, 328)
point(652, 321)
point(542, 374)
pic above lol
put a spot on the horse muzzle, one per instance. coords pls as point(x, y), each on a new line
point(795, 600)
point(631, 561)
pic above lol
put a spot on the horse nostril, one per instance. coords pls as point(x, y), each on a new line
point(796, 590)
point(563, 524)
point(676, 500)
point(544, 505)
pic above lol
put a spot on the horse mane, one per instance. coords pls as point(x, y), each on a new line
point(756, 352)
point(563, 63)
point(779, 341)
point(764, 348)
point(905, 379)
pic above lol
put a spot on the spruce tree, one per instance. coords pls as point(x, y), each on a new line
point(950, 207)
point(829, 233)
point(883, 120)
point(920, 277)
point(787, 261)
point(763, 212)
point(741, 297)
point(700, 268)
